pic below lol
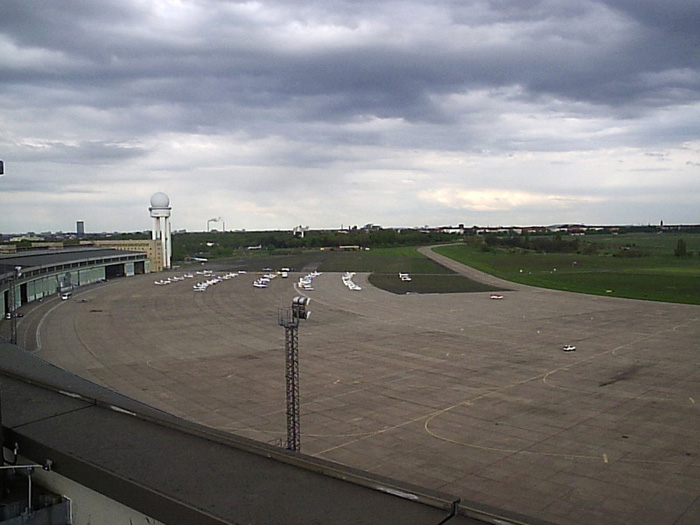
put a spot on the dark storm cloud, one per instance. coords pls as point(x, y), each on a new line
point(678, 19)
point(108, 52)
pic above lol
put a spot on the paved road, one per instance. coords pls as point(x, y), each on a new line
point(454, 392)
point(470, 272)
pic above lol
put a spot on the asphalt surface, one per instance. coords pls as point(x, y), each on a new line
point(455, 392)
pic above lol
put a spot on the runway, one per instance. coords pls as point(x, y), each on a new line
point(455, 392)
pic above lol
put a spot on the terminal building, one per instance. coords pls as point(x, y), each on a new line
point(34, 275)
point(152, 248)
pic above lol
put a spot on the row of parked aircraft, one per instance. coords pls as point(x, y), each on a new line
point(347, 281)
point(306, 282)
point(262, 282)
point(210, 279)
point(173, 279)
point(213, 279)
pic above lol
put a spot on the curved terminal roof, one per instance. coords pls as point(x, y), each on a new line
point(51, 258)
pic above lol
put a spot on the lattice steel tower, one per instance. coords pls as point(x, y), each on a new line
point(289, 319)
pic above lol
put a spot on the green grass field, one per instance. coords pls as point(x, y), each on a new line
point(382, 260)
point(651, 243)
point(656, 274)
point(385, 264)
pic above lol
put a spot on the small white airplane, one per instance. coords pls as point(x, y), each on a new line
point(347, 281)
point(496, 296)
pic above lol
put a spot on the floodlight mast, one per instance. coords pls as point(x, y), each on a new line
point(289, 319)
point(215, 219)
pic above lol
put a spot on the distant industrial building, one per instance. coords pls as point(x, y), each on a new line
point(80, 228)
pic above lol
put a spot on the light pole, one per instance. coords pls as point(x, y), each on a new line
point(215, 219)
point(13, 304)
point(289, 319)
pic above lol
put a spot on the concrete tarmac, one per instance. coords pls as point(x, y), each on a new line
point(454, 392)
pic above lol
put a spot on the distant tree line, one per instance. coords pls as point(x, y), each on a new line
point(215, 244)
point(544, 244)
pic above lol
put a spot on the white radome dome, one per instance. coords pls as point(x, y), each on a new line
point(160, 200)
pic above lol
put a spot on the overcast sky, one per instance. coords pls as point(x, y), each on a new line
point(271, 114)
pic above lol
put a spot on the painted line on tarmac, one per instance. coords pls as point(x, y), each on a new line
point(41, 322)
point(60, 303)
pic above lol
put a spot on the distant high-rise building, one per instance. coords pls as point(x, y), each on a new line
point(80, 228)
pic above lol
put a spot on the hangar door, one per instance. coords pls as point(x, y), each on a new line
point(114, 270)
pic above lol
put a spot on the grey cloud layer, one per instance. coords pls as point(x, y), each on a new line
point(368, 62)
point(333, 81)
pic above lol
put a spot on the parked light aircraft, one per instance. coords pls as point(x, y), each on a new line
point(347, 281)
